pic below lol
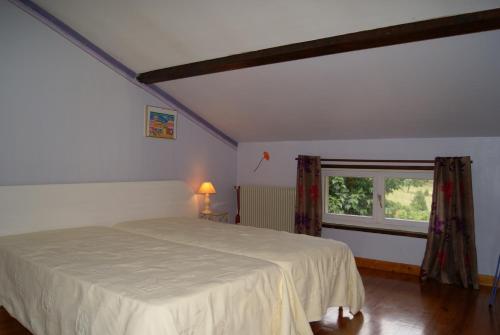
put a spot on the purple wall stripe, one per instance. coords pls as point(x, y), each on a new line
point(77, 39)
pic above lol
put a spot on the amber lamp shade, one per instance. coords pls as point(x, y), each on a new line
point(207, 188)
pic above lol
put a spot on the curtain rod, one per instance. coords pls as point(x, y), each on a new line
point(374, 160)
point(422, 161)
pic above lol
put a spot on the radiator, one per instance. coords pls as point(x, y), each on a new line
point(268, 207)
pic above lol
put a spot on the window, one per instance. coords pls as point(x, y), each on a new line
point(387, 199)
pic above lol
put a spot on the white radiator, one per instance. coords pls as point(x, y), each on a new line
point(268, 207)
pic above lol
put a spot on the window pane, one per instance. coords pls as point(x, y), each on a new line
point(408, 198)
point(350, 195)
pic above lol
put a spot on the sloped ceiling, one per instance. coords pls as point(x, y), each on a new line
point(437, 88)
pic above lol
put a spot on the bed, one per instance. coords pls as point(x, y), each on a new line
point(67, 266)
point(99, 280)
point(323, 271)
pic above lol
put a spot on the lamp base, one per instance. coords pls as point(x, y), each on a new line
point(207, 209)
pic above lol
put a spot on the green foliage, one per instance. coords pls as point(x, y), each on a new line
point(354, 196)
point(350, 195)
point(418, 201)
point(409, 183)
point(399, 211)
point(417, 208)
point(392, 184)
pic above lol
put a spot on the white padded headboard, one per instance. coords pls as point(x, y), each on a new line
point(32, 208)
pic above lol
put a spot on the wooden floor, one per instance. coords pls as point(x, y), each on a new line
point(399, 304)
point(395, 304)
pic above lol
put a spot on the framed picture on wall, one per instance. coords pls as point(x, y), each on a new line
point(161, 123)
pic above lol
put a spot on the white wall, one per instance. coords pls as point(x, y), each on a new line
point(65, 117)
point(485, 152)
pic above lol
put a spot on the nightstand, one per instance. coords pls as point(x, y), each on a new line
point(216, 216)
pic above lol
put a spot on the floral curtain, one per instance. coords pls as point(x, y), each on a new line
point(450, 255)
point(308, 196)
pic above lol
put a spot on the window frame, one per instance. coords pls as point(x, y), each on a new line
point(378, 219)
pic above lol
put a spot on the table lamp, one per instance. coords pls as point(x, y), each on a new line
point(207, 188)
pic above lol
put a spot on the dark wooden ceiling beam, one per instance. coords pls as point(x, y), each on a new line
point(402, 33)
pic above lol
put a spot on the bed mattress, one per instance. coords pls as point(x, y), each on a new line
point(323, 271)
point(100, 281)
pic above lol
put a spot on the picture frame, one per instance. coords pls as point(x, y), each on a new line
point(161, 123)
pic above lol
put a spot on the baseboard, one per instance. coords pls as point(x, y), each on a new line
point(387, 266)
point(486, 280)
point(367, 263)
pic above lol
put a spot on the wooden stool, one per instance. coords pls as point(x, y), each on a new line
point(495, 284)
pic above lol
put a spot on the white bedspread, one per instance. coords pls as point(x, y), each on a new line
point(323, 271)
point(105, 281)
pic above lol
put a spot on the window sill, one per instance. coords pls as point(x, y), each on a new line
point(375, 230)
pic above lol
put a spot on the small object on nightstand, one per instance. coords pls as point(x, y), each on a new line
point(207, 188)
point(215, 216)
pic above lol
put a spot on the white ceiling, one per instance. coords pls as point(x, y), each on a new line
point(439, 88)
point(445, 87)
